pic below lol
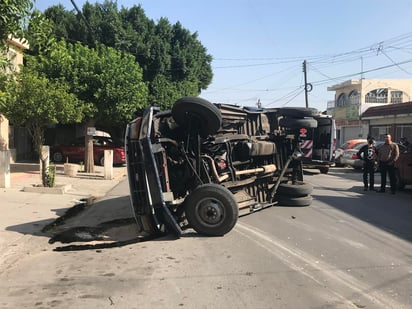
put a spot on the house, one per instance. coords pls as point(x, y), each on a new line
point(355, 97)
point(394, 119)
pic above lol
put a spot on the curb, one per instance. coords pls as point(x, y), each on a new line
point(58, 189)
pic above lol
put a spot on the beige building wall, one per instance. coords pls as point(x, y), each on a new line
point(347, 116)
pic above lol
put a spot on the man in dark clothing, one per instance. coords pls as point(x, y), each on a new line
point(387, 155)
point(368, 154)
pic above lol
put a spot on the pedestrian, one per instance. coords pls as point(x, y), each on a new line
point(367, 153)
point(388, 153)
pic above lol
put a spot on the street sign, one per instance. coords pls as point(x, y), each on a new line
point(91, 131)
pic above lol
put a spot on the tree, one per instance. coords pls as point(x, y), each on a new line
point(35, 102)
point(13, 16)
point(108, 79)
point(173, 60)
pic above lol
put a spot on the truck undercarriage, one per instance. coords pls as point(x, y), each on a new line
point(201, 165)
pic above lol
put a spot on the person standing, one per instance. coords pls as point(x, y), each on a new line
point(368, 154)
point(387, 155)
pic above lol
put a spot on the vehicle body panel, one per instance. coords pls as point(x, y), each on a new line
point(404, 167)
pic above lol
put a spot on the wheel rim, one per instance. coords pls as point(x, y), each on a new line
point(58, 157)
point(210, 211)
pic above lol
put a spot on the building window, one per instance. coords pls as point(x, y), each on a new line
point(354, 98)
point(379, 132)
point(341, 102)
point(403, 131)
point(377, 96)
point(396, 96)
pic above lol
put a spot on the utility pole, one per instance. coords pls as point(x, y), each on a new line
point(306, 84)
point(361, 67)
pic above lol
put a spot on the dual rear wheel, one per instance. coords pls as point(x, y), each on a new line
point(297, 194)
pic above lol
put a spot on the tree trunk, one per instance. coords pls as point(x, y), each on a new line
point(36, 133)
point(88, 153)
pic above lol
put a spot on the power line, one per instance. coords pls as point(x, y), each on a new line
point(367, 71)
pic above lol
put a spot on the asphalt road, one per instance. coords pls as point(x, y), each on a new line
point(349, 249)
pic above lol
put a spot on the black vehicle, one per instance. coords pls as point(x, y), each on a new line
point(201, 165)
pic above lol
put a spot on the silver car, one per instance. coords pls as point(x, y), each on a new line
point(350, 157)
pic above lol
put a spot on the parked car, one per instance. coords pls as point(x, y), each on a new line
point(404, 168)
point(201, 165)
point(350, 156)
point(74, 152)
point(347, 145)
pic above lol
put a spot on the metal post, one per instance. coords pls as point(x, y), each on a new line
point(306, 84)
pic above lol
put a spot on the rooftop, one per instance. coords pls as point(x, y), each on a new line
point(388, 109)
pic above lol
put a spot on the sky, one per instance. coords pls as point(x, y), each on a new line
point(259, 46)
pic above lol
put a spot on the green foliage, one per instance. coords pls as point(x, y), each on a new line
point(40, 33)
point(50, 176)
point(102, 76)
point(13, 17)
point(34, 101)
point(173, 60)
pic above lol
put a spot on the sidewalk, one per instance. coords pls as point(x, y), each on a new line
point(28, 174)
point(30, 211)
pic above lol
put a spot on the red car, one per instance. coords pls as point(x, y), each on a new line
point(75, 151)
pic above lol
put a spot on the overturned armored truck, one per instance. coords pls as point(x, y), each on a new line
point(202, 165)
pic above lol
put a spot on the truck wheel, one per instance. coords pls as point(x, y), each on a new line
point(211, 210)
point(297, 112)
point(284, 200)
point(295, 190)
point(197, 111)
point(297, 123)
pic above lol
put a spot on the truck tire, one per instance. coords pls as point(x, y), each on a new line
point(297, 112)
point(297, 123)
point(211, 210)
point(295, 190)
point(285, 200)
point(198, 111)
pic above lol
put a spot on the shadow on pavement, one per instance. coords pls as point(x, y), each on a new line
point(104, 224)
point(392, 213)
